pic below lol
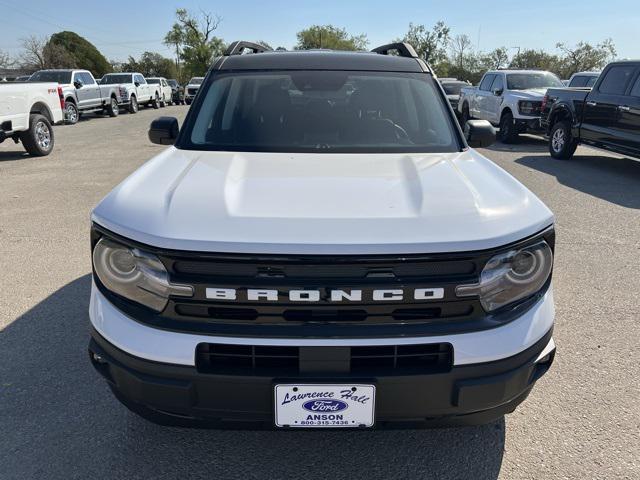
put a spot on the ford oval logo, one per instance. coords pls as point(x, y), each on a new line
point(325, 405)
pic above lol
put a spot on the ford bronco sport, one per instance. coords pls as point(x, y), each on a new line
point(321, 247)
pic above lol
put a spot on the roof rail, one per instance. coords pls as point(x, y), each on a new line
point(403, 48)
point(236, 48)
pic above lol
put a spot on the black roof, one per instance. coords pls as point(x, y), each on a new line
point(321, 60)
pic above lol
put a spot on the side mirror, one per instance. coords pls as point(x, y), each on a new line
point(479, 133)
point(78, 84)
point(498, 91)
point(164, 130)
point(137, 84)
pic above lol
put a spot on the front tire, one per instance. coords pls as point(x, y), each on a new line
point(156, 102)
point(113, 109)
point(508, 132)
point(38, 141)
point(71, 113)
point(133, 104)
point(562, 145)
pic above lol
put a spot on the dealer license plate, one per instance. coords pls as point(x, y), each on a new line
point(324, 405)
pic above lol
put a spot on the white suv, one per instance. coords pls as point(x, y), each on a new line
point(320, 247)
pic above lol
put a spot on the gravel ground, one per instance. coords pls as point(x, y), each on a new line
point(58, 419)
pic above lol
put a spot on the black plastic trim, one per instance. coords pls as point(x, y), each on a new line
point(401, 328)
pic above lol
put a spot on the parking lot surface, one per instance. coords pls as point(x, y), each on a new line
point(59, 420)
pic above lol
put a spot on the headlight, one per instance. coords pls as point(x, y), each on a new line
point(134, 274)
point(529, 108)
point(511, 276)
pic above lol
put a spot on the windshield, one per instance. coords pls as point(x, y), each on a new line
point(196, 81)
point(155, 81)
point(321, 111)
point(453, 88)
point(114, 78)
point(172, 83)
point(526, 81)
point(45, 76)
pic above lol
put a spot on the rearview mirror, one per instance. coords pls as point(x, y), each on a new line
point(77, 84)
point(137, 84)
point(497, 92)
point(479, 133)
point(164, 130)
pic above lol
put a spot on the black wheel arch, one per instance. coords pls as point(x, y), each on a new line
point(42, 109)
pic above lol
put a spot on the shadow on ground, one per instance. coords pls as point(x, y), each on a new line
point(616, 180)
point(14, 154)
point(59, 420)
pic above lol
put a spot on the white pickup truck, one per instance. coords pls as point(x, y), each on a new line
point(81, 92)
point(134, 90)
point(27, 113)
point(510, 99)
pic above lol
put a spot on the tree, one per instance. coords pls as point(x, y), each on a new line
point(175, 38)
point(535, 59)
point(498, 58)
point(585, 56)
point(329, 36)
point(82, 53)
point(195, 37)
point(460, 49)
point(429, 44)
point(5, 60)
point(151, 65)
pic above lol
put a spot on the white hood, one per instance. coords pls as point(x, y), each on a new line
point(322, 203)
point(531, 94)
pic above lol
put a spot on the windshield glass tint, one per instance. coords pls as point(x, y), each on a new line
point(113, 79)
point(173, 83)
point(59, 77)
point(331, 111)
point(453, 88)
point(196, 81)
point(526, 81)
point(155, 81)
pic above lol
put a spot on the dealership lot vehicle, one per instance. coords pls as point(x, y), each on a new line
point(406, 307)
point(607, 116)
point(510, 99)
point(177, 91)
point(81, 93)
point(27, 113)
point(583, 79)
point(166, 92)
point(134, 90)
point(452, 88)
point(192, 88)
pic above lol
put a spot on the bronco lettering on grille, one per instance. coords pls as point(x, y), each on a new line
point(336, 296)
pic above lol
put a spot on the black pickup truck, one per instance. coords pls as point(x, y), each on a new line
point(607, 116)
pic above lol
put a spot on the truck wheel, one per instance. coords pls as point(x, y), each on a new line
point(112, 109)
point(508, 132)
point(38, 141)
point(163, 102)
point(562, 145)
point(188, 101)
point(156, 102)
point(133, 104)
point(71, 113)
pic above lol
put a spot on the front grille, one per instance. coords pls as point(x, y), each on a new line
point(361, 360)
point(240, 272)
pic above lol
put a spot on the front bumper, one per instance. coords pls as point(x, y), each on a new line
point(154, 373)
point(180, 395)
point(525, 125)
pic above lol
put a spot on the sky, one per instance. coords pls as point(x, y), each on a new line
point(121, 28)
